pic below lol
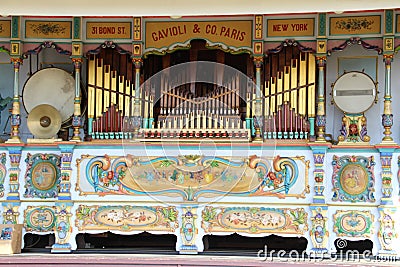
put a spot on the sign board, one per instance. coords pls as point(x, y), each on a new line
point(231, 33)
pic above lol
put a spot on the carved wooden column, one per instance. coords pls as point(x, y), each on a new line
point(320, 118)
point(387, 116)
point(387, 211)
point(3, 172)
point(63, 228)
point(15, 113)
point(258, 118)
point(137, 116)
point(77, 120)
point(14, 172)
point(189, 231)
point(319, 210)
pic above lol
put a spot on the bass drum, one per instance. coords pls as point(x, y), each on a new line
point(51, 86)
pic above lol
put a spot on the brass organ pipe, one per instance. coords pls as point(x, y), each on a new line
point(161, 94)
point(253, 104)
point(302, 82)
point(293, 84)
point(237, 101)
point(273, 97)
point(91, 89)
point(99, 85)
point(279, 88)
point(127, 97)
point(121, 90)
point(146, 105)
point(311, 88)
point(107, 86)
point(286, 83)
point(114, 87)
point(266, 99)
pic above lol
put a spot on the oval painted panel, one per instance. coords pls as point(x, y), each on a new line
point(319, 234)
point(110, 216)
point(188, 232)
point(62, 232)
point(44, 176)
point(116, 216)
point(263, 220)
point(42, 219)
point(354, 179)
point(141, 217)
point(354, 223)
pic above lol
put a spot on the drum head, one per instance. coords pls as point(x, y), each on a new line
point(51, 86)
point(354, 92)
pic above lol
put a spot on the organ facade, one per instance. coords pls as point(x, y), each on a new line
point(261, 124)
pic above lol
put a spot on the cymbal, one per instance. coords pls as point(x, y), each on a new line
point(44, 121)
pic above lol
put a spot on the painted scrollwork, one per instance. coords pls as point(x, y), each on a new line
point(191, 176)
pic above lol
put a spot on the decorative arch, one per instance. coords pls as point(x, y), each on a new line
point(46, 44)
point(109, 44)
point(355, 41)
point(3, 49)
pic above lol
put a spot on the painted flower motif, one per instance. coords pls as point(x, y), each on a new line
point(271, 176)
point(353, 222)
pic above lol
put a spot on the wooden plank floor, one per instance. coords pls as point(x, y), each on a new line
point(61, 260)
